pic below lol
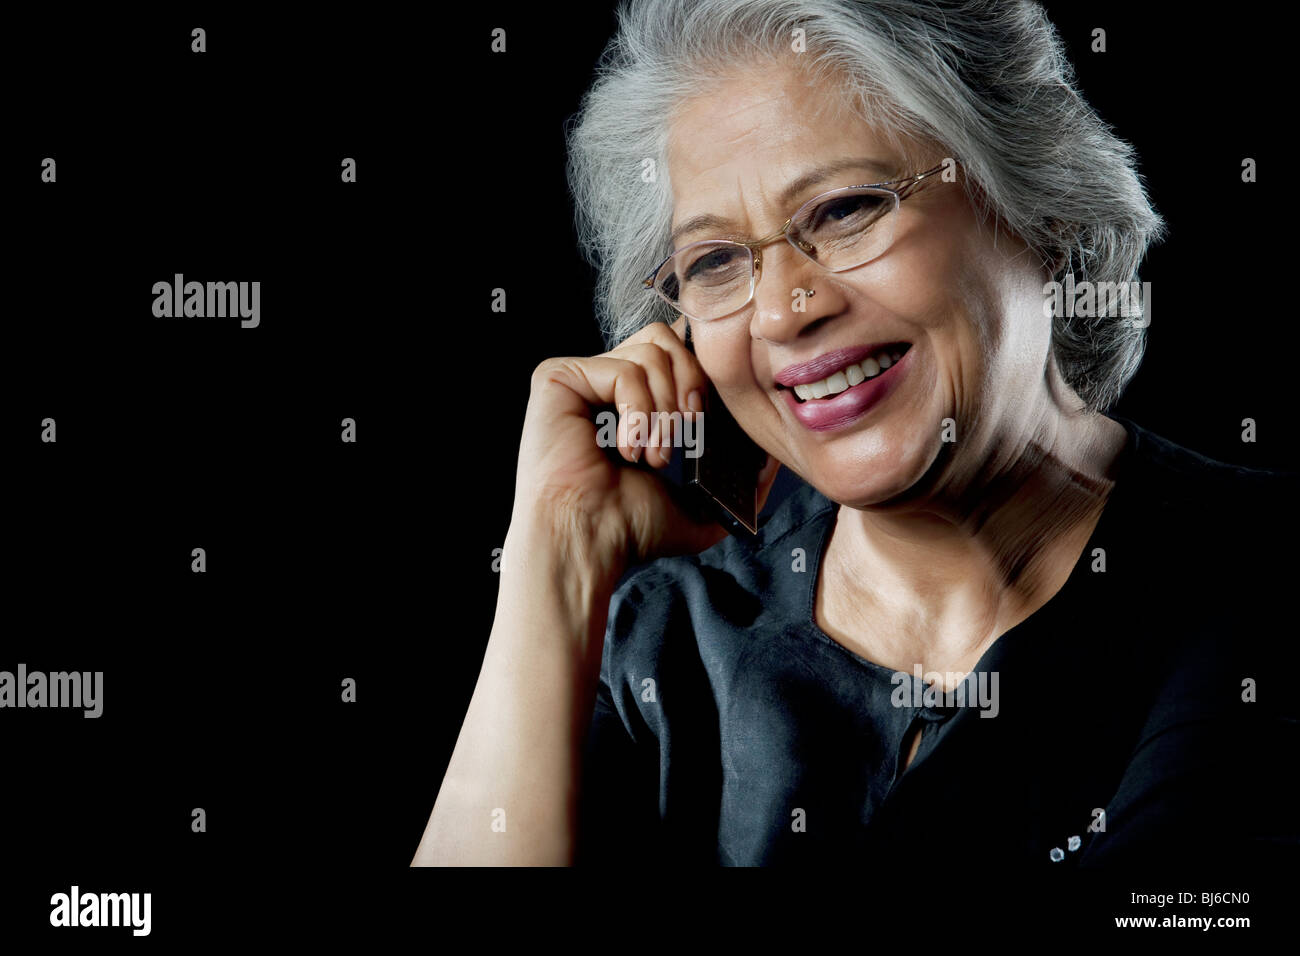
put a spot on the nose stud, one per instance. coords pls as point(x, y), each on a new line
point(810, 294)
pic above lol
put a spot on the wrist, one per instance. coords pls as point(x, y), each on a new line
point(562, 572)
point(569, 539)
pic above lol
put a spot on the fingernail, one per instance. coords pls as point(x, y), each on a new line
point(695, 401)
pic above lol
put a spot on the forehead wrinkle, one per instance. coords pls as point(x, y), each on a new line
point(764, 196)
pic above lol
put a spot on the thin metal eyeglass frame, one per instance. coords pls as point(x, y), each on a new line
point(754, 245)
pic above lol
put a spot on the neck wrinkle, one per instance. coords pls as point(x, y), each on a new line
point(1014, 517)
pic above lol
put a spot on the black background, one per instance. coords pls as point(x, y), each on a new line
point(374, 560)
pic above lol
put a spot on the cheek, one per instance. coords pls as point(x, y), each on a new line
point(1004, 334)
point(748, 403)
point(724, 353)
point(730, 366)
point(963, 315)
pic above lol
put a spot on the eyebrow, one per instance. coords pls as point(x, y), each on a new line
point(811, 178)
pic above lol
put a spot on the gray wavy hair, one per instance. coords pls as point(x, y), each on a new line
point(984, 80)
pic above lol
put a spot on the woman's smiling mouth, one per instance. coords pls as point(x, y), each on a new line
point(846, 384)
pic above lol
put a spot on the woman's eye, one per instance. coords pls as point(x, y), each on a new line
point(710, 262)
point(841, 210)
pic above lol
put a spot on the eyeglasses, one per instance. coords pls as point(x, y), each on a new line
point(838, 230)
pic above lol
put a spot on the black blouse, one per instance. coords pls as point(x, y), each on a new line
point(1145, 713)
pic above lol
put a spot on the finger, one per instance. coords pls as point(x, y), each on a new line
point(599, 380)
point(660, 449)
point(659, 371)
point(687, 372)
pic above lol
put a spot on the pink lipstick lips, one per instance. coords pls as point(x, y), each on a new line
point(859, 381)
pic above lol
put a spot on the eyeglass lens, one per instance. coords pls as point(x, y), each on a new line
point(842, 230)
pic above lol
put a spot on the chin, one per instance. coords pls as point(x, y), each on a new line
point(877, 477)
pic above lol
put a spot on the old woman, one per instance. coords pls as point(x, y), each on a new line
point(992, 616)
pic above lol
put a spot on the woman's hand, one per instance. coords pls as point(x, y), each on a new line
point(580, 516)
point(573, 487)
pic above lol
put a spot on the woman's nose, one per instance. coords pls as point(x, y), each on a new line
point(786, 299)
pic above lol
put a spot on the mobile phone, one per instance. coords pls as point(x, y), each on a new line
point(716, 477)
point(724, 473)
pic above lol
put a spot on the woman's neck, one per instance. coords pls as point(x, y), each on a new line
point(983, 551)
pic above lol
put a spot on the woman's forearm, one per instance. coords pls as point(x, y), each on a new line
point(510, 793)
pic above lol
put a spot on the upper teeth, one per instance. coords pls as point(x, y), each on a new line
point(848, 377)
